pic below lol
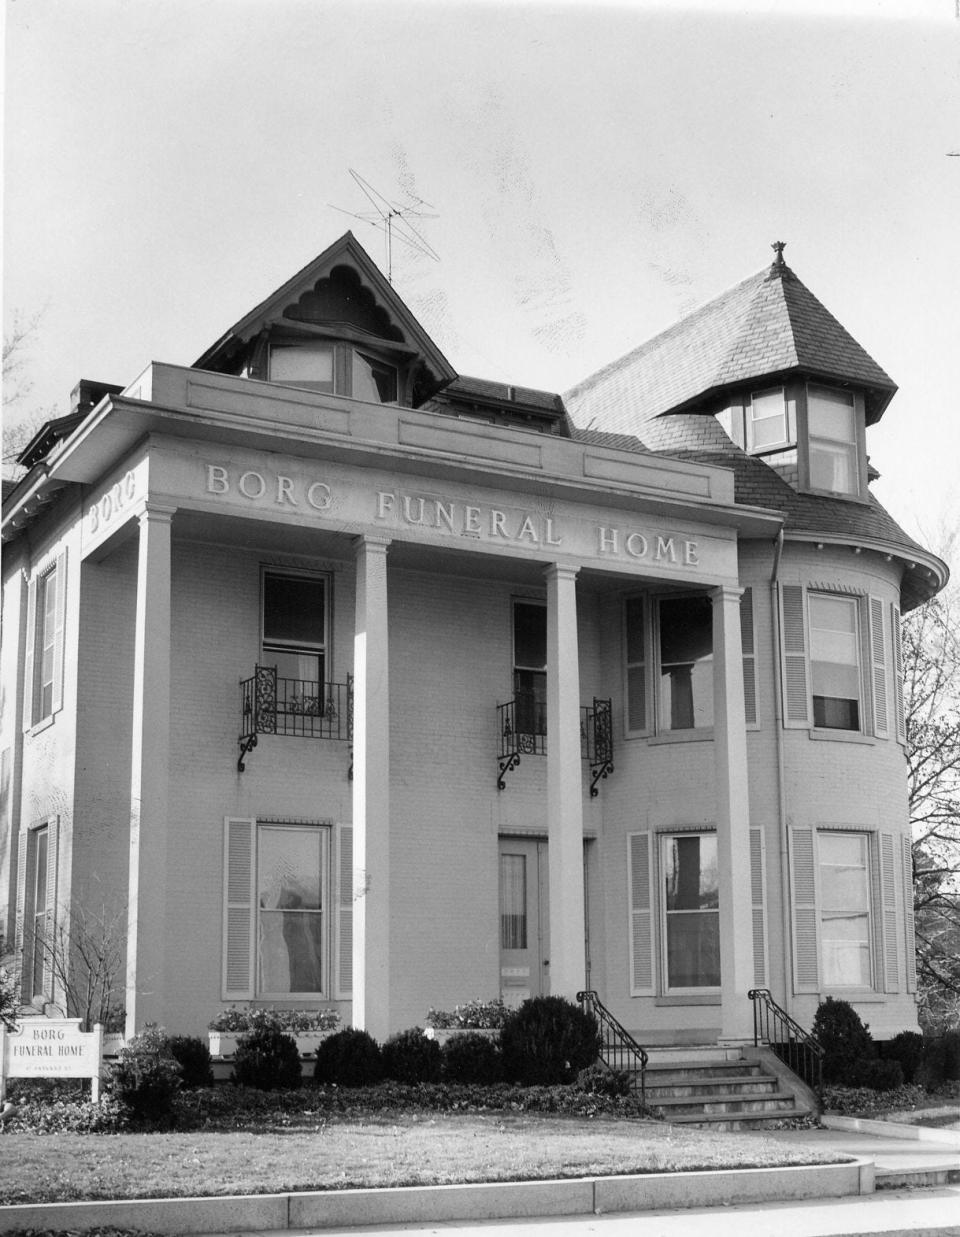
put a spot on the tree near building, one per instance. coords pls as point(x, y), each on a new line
point(931, 656)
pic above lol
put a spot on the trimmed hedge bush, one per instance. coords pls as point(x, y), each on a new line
point(941, 1059)
point(471, 1058)
point(350, 1058)
point(267, 1060)
point(846, 1041)
point(907, 1049)
point(192, 1054)
point(878, 1075)
point(408, 1056)
point(146, 1076)
point(548, 1040)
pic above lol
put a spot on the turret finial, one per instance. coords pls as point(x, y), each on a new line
point(778, 248)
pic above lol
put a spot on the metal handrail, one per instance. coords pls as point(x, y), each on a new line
point(618, 1049)
point(797, 1048)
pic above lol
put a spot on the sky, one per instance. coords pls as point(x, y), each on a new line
point(586, 173)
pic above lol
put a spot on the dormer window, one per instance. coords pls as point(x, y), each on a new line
point(832, 438)
point(768, 422)
point(336, 368)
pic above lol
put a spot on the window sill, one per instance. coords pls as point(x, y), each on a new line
point(703, 735)
point(857, 996)
point(42, 725)
point(842, 736)
point(693, 998)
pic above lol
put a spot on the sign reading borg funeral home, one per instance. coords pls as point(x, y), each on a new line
point(551, 528)
point(50, 1048)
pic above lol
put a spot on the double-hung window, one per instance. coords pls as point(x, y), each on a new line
point(668, 642)
point(37, 900)
point(336, 368)
point(833, 458)
point(46, 608)
point(845, 927)
point(295, 607)
point(690, 908)
point(768, 421)
point(530, 666)
point(835, 661)
point(278, 892)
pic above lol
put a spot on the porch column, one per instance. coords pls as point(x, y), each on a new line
point(149, 773)
point(371, 792)
point(733, 818)
point(564, 787)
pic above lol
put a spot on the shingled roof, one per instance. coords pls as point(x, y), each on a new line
point(767, 327)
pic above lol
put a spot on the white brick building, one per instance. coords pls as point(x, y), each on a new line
point(352, 682)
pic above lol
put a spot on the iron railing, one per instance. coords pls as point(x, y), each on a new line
point(618, 1049)
point(297, 707)
point(795, 1047)
point(522, 731)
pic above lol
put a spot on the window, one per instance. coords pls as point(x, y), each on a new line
point(768, 423)
point(46, 608)
point(280, 938)
point(38, 901)
point(835, 661)
point(691, 916)
point(845, 930)
point(335, 368)
point(295, 626)
point(832, 435)
point(530, 666)
point(513, 901)
point(636, 664)
point(686, 663)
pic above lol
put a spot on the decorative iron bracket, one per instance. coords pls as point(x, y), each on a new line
point(247, 744)
point(599, 771)
point(506, 764)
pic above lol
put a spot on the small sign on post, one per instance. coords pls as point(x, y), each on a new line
point(51, 1048)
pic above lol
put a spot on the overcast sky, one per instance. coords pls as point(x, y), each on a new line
point(595, 171)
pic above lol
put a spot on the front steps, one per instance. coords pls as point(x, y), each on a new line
point(721, 1089)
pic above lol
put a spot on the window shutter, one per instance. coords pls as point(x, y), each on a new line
point(50, 919)
point(344, 978)
point(909, 928)
point(29, 687)
point(641, 914)
point(239, 935)
point(901, 721)
point(888, 895)
point(60, 622)
point(748, 645)
point(756, 887)
point(21, 909)
point(878, 662)
point(806, 943)
point(793, 629)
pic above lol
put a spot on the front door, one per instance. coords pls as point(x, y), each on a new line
point(524, 920)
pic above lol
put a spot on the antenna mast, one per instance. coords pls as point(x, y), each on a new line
point(393, 219)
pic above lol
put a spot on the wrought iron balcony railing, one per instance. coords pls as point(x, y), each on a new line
point(522, 731)
point(296, 707)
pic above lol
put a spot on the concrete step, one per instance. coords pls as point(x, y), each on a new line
point(667, 1075)
point(915, 1178)
point(725, 1123)
point(751, 1084)
point(695, 1054)
point(707, 1105)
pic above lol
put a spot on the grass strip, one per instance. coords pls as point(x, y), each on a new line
point(397, 1150)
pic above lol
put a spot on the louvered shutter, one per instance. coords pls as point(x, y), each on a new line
point(793, 643)
point(59, 624)
point(803, 883)
point(909, 928)
point(29, 687)
point(344, 978)
point(748, 645)
point(888, 896)
point(641, 914)
point(50, 944)
point(878, 662)
point(239, 904)
point(757, 900)
point(23, 842)
point(901, 721)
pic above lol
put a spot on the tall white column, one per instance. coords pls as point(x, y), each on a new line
point(371, 792)
point(564, 785)
point(149, 773)
point(733, 818)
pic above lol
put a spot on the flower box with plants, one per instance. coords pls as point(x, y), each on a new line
point(307, 1026)
point(481, 1017)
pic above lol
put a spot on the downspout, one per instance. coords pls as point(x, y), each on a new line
point(785, 934)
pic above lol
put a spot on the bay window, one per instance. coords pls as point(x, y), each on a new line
point(835, 661)
point(337, 368)
point(832, 441)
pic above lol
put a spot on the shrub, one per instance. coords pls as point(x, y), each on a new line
point(907, 1048)
point(548, 1040)
point(146, 1076)
point(941, 1060)
point(351, 1058)
point(864, 1101)
point(267, 1060)
point(876, 1074)
point(193, 1056)
point(471, 1058)
point(601, 1080)
point(409, 1056)
point(845, 1040)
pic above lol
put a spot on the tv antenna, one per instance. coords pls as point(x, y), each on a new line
point(393, 220)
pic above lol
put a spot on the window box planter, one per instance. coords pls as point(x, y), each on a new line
point(113, 1041)
point(224, 1043)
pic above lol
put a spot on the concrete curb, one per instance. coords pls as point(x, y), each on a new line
point(485, 1201)
point(890, 1129)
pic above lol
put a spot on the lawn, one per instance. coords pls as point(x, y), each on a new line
point(396, 1150)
